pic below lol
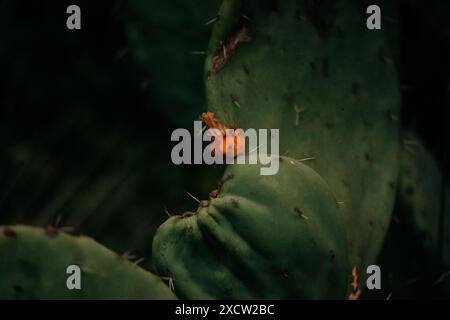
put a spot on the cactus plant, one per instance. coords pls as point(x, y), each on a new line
point(34, 261)
point(282, 237)
point(312, 71)
point(416, 246)
point(419, 191)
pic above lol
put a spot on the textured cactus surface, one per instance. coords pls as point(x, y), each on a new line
point(281, 238)
point(312, 70)
point(34, 261)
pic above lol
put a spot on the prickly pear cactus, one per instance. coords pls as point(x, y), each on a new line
point(413, 256)
point(420, 192)
point(310, 70)
point(277, 236)
point(33, 265)
point(313, 70)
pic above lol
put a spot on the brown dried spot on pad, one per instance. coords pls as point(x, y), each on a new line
point(354, 282)
point(228, 48)
point(189, 231)
point(234, 203)
point(355, 294)
point(10, 233)
point(188, 214)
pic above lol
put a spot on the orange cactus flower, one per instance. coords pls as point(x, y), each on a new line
point(232, 140)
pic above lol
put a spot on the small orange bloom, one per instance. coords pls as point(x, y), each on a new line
point(232, 141)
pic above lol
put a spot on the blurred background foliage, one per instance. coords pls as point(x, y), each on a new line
point(86, 118)
point(409, 271)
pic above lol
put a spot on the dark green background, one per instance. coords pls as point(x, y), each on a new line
point(86, 116)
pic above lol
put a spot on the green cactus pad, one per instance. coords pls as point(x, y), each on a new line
point(276, 236)
point(33, 263)
point(420, 192)
point(313, 70)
